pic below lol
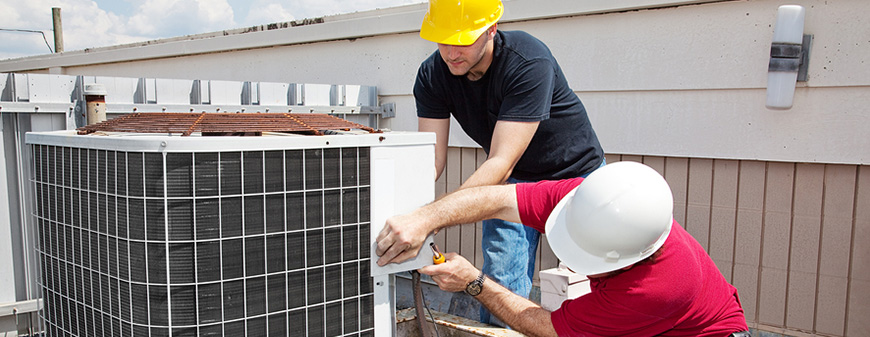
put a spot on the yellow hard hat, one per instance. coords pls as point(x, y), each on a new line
point(459, 22)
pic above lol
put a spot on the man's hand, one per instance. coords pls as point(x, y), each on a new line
point(454, 274)
point(401, 239)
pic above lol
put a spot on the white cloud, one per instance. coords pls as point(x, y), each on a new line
point(168, 18)
point(87, 25)
point(268, 13)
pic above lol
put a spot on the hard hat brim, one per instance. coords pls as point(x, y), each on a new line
point(455, 38)
point(573, 255)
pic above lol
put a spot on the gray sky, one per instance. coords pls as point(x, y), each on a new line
point(98, 23)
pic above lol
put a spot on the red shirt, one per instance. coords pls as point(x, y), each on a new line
point(682, 293)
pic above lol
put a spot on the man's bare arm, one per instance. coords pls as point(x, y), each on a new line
point(403, 235)
point(509, 142)
point(520, 313)
point(441, 128)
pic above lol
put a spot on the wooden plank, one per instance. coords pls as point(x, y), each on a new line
point(478, 251)
point(454, 180)
point(804, 255)
point(859, 287)
point(441, 186)
point(612, 158)
point(746, 281)
point(698, 200)
point(634, 158)
point(440, 191)
point(859, 308)
point(657, 163)
point(481, 157)
point(775, 242)
point(468, 162)
point(468, 232)
point(839, 202)
point(723, 215)
point(747, 254)
point(677, 175)
point(832, 309)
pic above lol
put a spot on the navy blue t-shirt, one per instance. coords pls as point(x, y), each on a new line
point(523, 84)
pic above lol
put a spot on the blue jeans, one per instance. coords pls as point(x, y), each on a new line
point(509, 250)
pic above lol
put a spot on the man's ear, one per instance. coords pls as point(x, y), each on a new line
point(492, 29)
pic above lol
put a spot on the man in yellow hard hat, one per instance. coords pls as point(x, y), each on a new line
point(508, 93)
point(648, 276)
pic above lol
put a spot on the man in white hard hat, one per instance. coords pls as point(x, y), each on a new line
point(648, 276)
point(508, 93)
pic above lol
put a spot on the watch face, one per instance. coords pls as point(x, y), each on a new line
point(473, 289)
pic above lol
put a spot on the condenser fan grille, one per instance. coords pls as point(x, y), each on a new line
point(255, 243)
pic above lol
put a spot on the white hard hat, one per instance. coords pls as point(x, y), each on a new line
point(621, 214)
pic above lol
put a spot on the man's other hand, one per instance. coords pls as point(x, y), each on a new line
point(454, 274)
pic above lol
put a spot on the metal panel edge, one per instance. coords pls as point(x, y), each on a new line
point(163, 143)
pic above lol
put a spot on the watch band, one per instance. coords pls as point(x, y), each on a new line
point(474, 288)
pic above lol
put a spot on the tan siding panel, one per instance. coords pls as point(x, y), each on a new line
point(612, 158)
point(839, 206)
point(454, 180)
point(468, 239)
point(746, 281)
point(657, 163)
point(440, 191)
point(806, 225)
point(699, 199)
point(859, 309)
point(771, 298)
point(453, 168)
point(478, 253)
point(750, 204)
point(478, 226)
point(775, 236)
point(633, 158)
point(777, 215)
point(676, 173)
point(831, 312)
point(839, 201)
point(859, 287)
point(803, 263)
point(801, 300)
point(861, 243)
point(723, 215)
point(747, 252)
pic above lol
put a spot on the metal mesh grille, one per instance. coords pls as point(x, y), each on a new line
point(223, 123)
point(256, 243)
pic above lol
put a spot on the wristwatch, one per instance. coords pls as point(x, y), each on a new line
point(474, 287)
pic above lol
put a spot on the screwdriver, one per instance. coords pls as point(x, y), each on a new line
point(437, 257)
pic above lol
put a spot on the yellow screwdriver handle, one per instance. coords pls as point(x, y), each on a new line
point(437, 257)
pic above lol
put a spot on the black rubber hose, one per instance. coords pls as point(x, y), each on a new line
point(418, 304)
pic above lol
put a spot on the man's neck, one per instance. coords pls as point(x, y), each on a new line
point(477, 72)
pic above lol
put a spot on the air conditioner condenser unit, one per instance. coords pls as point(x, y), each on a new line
point(156, 235)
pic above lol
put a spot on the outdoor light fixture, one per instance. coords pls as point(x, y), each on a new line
point(789, 57)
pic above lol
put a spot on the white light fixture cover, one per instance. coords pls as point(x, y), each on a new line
point(788, 32)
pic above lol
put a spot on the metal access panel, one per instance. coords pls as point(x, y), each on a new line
point(147, 235)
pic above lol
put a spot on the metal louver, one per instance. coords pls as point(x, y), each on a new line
point(201, 236)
